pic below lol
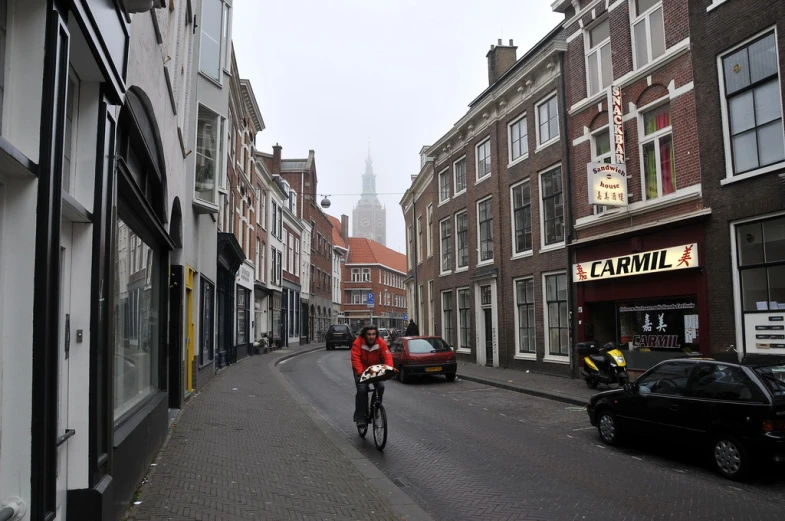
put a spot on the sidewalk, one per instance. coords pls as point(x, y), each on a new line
point(250, 448)
point(563, 389)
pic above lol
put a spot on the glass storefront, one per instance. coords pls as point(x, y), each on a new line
point(136, 320)
point(207, 325)
point(660, 324)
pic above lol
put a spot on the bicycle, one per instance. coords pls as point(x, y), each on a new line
point(375, 415)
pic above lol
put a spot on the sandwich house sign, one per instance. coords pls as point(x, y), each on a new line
point(655, 261)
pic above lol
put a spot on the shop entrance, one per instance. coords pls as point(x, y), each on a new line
point(602, 323)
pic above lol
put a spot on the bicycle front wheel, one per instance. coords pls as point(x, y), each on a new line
point(379, 426)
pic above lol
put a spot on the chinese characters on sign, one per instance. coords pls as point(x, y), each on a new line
point(607, 184)
point(675, 258)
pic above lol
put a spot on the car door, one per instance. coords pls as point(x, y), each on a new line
point(395, 350)
point(659, 407)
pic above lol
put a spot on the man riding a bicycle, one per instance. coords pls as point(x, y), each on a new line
point(367, 350)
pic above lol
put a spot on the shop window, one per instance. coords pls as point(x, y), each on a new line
point(459, 173)
point(483, 152)
point(445, 234)
point(519, 139)
point(753, 102)
point(648, 32)
point(524, 318)
point(485, 230)
point(444, 185)
point(723, 382)
point(669, 379)
point(658, 325)
point(464, 319)
point(761, 261)
point(447, 310)
point(599, 72)
point(552, 207)
point(207, 326)
point(462, 240)
point(659, 173)
point(242, 315)
point(522, 217)
point(209, 132)
point(556, 316)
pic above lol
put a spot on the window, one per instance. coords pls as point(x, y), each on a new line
point(419, 240)
point(356, 275)
point(552, 207)
point(297, 257)
point(208, 154)
point(263, 208)
point(659, 175)
point(71, 114)
point(212, 22)
point(256, 257)
point(444, 185)
point(556, 314)
point(242, 315)
point(484, 159)
point(522, 217)
point(761, 260)
point(599, 73)
point(290, 255)
point(280, 268)
point(601, 151)
point(524, 318)
point(136, 319)
point(459, 172)
point(753, 102)
point(669, 378)
point(447, 329)
point(485, 229)
point(724, 382)
point(262, 265)
point(445, 234)
point(464, 319)
point(366, 274)
point(207, 329)
point(430, 230)
point(409, 249)
point(547, 121)
point(293, 202)
point(519, 139)
point(648, 32)
point(462, 239)
point(274, 265)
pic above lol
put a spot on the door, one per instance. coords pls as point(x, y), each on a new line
point(488, 322)
point(663, 407)
point(190, 334)
point(66, 241)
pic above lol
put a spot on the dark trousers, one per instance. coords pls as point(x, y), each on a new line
point(361, 399)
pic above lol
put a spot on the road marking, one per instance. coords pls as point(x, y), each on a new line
point(583, 429)
point(601, 446)
point(637, 458)
point(501, 414)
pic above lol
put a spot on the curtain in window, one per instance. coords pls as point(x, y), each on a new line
point(666, 165)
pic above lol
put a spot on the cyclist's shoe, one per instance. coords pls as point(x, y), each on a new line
point(361, 424)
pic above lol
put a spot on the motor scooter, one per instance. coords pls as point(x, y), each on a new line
point(604, 364)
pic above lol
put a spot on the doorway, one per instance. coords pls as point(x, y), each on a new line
point(66, 246)
point(601, 324)
point(190, 333)
point(488, 323)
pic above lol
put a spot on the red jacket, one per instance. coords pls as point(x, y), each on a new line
point(363, 356)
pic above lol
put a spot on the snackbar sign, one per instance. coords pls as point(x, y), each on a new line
point(676, 258)
point(608, 182)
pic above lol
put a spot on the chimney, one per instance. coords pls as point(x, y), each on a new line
point(500, 59)
point(345, 228)
point(277, 159)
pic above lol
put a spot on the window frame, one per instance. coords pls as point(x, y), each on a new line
point(218, 171)
point(526, 355)
point(223, 42)
point(446, 315)
point(730, 175)
point(522, 139)
point(444, 189)
point(551, 139)
point(549, 355)
point(480, 261)
point(644, 17)
point(463, 267)
point(513, 221)
point(457, 192)
point(596, 49)
point(557, 244)
point(204, 282)
point(429, 230)
point(654, 137)
point(420, 258)
point(486, 175)
point(442, 239)
point(459, 346)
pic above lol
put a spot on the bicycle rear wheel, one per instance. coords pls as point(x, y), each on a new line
point(379, 426)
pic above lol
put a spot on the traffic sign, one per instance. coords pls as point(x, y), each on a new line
point(406, 316)
point(370, 299)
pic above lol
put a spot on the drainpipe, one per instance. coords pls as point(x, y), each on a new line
point(414, 241)
point(568, 235)
point(12, 509)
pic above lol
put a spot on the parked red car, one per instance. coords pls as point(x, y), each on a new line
point(423, 355)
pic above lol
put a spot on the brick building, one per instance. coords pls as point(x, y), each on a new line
point(738, 85)
point(340, 256)
point(632, 105)
point(497, 287)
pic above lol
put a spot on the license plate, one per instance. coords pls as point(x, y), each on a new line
point(432, 369)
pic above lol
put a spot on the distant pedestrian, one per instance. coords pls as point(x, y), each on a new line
point(412, 329)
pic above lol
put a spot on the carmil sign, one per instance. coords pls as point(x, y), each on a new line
point(675, 258)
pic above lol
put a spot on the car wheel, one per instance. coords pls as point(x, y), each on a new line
point(608, 427)
point(729, 457)
point(403, 376)
point(450, 377)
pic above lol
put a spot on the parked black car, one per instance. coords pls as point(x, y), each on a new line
point(338, 335)
point(734, 410)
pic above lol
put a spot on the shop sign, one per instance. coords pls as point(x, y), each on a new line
point(617, 124)
point(245, 276)
point(607, 184)
point(668, 259)
point(659, 324)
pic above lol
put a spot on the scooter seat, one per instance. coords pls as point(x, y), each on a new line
point(599, 360)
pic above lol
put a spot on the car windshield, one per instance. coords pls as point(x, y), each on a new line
point(774, 378)
point(339, 329)
point(427, 345)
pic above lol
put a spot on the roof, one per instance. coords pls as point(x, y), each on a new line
point(366, 251)
point(293, 165)
point(337, 239)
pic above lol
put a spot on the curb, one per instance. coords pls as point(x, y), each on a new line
point(405, 506)
point(526, 390)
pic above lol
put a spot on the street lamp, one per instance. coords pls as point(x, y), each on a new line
point(326, 202)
